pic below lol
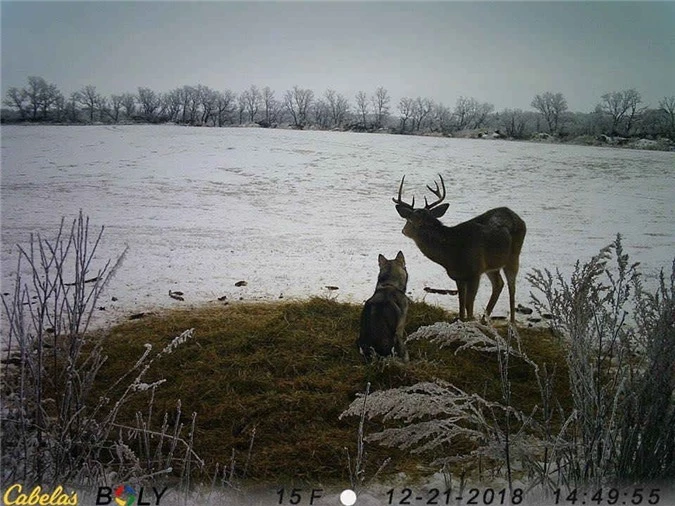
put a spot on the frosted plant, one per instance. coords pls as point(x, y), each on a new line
point(55, 426)
point(432, 415)
point(470, 336)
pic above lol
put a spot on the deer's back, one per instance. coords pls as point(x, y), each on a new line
point(487, 242)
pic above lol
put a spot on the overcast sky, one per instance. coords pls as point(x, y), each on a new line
point(502, 52)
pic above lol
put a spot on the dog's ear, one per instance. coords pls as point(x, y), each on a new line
point(381, 260)
point(400, 258)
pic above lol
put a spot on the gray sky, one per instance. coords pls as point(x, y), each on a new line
point(499, 52)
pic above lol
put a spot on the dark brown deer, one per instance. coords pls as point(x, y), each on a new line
point(485, 244)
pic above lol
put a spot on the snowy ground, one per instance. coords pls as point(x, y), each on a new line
point(292, 211)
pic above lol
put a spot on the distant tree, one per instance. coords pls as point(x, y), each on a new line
point(89, 99)
point(420, 112)
point(463, 112)
point(441, 119)
point(59, 108)
point(115, 107)
point(667, 109)
point(321, 112)
point(270, 106)
point(338, 107)
point(513, 122)
point(297, 102)
point(241, 108)
point(551, 106)
point(623, 108)
point(380, 102)
point(71, 111)
point(207, 102)
point(225, 106)
point(129, 104)
point(471, 114)
point(252, 100)
point(39, 96)
point(405, 108)
point(149, 102)
point(49, 97)
point(17, 98)
point(362, 107)
point(171, 103)
point(34, 92)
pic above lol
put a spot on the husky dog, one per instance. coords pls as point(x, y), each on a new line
point(383, 316)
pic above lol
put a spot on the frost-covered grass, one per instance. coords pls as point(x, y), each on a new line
point(286, 370)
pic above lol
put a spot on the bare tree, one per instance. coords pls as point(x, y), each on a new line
point(241, 108)
point(115, 107)
point(622, 107)
point(225, 106)
point(34, 94)
point(71, 111)
point(405, 107)
point(207, 102)
point(362, 107)
point(129, 104)
point(471, 114)
point(338, 107)
point(667, 108)
point(513, 121)
point(37, 97)
point(270, 106)
point(171, 105)
point(252, 100)
point(321, 111)
point(89, 99)
point(381, 101)
point(17, 98)
point(297, 102)
point(149, 102)
point(441, 119)
point(49, 96)
point(422, 107)
point(551, 106)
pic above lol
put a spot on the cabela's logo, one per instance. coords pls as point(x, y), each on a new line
point(15, 495)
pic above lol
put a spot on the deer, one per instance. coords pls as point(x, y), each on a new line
point(485, 244)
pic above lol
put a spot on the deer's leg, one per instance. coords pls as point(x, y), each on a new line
point(471, 290)
point(497, 284)
point(461, 289)
point(511, 271)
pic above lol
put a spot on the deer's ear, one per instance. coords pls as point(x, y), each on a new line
point(438, 211)
point(404, 211)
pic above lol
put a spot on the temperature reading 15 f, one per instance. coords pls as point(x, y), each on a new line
point(299, 496)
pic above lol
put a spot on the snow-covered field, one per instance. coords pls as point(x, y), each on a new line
point(291, 212)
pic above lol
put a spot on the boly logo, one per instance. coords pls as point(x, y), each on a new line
point(125, 495)
point(15, 495)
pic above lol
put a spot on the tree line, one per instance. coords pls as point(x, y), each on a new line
point(617, 114)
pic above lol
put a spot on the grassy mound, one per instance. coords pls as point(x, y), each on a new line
point(272, 378)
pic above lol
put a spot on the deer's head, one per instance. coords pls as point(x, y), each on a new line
point(422, 218)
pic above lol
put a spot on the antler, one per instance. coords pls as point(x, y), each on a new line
point(439, 192)
point(399, 201)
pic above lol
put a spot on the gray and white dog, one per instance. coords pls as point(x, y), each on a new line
point(384, 314)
